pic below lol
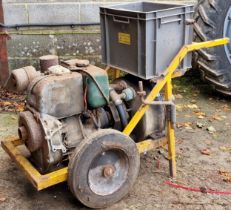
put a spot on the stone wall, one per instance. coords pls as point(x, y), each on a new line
point(27, 44)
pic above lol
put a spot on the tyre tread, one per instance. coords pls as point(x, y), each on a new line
point(207, 62)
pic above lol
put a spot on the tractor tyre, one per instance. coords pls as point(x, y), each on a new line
point(213, 21)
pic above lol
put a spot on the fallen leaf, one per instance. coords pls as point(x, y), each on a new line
point(189, 128)
point(215, 117)
point(225, 148)
point(178, 96)
point(6, 103)
point(226, 174)
point(200, 117)
point(223, 173)
point(192, 106)
point(211, 129)
point(205, 152)
point(179, 125)
point(228, 179)
point(186, 125)
point(208, 142)
point(226, 108)
point(193, 101)
point(198, 113)
point(2, 199)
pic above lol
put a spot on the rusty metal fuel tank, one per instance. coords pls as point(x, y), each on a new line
point(57, 95)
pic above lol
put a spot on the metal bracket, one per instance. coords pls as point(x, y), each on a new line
point(170, 109)
point(171, 113)
point(170, 106)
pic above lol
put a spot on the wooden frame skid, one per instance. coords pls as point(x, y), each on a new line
point(44, 181)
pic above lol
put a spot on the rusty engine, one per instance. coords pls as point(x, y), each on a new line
point(68, 102)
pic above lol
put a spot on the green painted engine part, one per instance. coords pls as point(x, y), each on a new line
point(97, 84)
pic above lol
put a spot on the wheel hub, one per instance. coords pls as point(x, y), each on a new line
point(22, 132)
point(108, 171)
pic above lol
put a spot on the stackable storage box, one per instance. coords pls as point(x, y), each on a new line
point(142, 38)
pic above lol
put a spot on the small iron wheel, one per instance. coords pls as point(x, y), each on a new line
point(103, 168)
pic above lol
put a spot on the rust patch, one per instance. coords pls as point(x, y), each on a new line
point(4, 69)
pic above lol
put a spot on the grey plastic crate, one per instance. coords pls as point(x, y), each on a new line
point(142, 38)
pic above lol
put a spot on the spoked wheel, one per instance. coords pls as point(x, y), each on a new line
point(103, 168)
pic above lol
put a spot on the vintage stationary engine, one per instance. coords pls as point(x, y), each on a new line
point(68, 103)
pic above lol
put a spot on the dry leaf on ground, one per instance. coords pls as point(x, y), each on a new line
point(223, 173)
point(200, 117)
point(192, 106)
point(228, 179)
point(226, 174)
point(226, 108)
point(225, 148)
point(193, 101)
point(215, 117)
point(179, 107)
point(11, 102)
point(186, 125)
point(178, 96)
point(199, 113)
point(2, 199)
point(205, 152)
point(208, 142)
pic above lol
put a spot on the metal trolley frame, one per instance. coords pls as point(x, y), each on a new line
point(40, 181)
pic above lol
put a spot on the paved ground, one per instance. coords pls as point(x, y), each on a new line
point(203, 160)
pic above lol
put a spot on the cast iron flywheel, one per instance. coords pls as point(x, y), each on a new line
point(103, 168)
